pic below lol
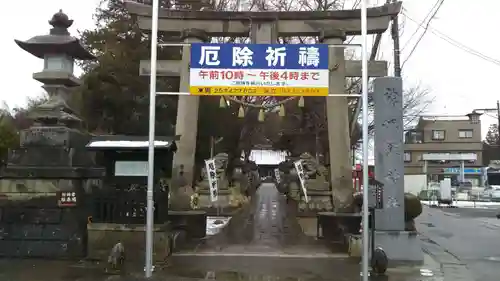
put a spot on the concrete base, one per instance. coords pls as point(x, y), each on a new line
point(103, 236)
point(400, 246)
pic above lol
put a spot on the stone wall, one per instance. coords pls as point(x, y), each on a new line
point(33, 225)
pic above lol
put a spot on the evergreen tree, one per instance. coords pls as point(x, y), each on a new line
point(491, 145)
point(115, 99)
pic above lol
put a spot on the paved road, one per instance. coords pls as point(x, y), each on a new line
point(472, 235)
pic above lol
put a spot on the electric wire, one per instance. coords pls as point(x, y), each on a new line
point(423, 33)
point(421, 24)
point(454, 42)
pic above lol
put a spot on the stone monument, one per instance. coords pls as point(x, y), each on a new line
point(391, 235)
point(52, 159)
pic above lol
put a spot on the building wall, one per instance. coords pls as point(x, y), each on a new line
point(452, 143)
point(452, 128)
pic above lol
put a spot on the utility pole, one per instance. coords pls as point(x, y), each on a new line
point(395, 39)
point(496, 110)
point(498, 116)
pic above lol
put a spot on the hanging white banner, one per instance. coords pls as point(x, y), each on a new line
point(212, 179)
point(302, 178)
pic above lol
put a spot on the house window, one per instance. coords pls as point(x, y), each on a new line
point(465, 134)
point(438, 134)
point(407, 157)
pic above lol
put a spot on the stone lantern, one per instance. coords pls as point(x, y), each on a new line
point(51, 173)
point(58, 49)
point(55, 139)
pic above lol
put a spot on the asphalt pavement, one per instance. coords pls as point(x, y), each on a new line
point(470, 239)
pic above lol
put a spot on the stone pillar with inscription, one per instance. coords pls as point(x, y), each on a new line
point(389, 169)
point(52, 170)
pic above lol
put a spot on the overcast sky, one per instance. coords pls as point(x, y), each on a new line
point(459, 80)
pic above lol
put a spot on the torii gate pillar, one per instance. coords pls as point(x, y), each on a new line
point(338, 123)
point(187, 112)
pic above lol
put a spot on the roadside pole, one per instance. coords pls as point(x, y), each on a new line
point(151, 145)
point(364, 98)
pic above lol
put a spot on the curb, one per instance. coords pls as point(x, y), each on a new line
point(452, 268)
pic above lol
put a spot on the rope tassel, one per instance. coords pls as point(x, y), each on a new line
point(301, 102)
point(222, 102)
point(241, 112)
point(282, 111)
point(261, 115)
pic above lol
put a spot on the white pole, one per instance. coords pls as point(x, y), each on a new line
point(364, 98)
point(151, 147)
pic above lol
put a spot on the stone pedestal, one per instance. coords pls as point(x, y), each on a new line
point(206, 203)
point(203, 187)
point(49, 161)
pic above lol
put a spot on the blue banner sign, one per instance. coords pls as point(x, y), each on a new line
point(466, 170)
point(259, 69)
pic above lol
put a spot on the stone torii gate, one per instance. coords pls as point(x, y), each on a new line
point(331, 27)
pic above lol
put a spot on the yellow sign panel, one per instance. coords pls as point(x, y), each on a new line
point(258, 91)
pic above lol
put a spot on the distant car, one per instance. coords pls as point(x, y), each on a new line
point(492, 193)
point(462, 196)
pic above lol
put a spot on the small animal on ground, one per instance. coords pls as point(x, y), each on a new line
point(116, 258)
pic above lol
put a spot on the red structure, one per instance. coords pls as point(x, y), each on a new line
point(357, 175)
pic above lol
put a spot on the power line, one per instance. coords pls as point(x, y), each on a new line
point(420, 24)
point(454, 42)
point(439, 5)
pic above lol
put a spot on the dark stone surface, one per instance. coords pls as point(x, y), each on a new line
point(50, 233)
point(38, 172)
point(193, 222)
point(329, 34)
point(53, 136)
point(31, 215)
point(195, 33)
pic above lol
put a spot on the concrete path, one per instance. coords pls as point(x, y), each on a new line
point(266, 225)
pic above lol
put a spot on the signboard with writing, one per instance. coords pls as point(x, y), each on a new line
point(212, 179)
point(66, 199)
point(302, 178)
point(259, 69)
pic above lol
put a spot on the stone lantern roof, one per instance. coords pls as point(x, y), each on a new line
point(58, 41)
